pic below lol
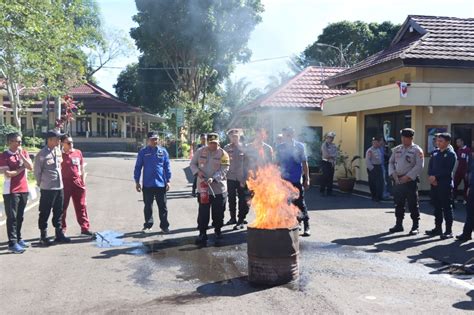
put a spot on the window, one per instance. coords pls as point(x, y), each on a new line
point(82, 125)
point(386, 125)
point(407, 77)
point(465, 132)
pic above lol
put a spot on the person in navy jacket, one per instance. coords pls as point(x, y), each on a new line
point(155, 163)
point(440, 172)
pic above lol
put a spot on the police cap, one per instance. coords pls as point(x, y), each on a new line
point(53, 134)
point(212, 137)
point(407, 132)
point(445, 135)
point(152, 135)
point(390, 139)
point(376, 138)
point(232, 132)
point(331, 134)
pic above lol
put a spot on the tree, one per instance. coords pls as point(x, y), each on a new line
point(145, 86)
point(234, 96)
point(277, 80)
point(40, 45)
point(197, 42)
point(114, 44)
point(346, 43)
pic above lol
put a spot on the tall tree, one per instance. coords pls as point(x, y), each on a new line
point(345, 43)
point(40, 44)
point(197, 42)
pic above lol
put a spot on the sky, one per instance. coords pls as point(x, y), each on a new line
point(287, 28)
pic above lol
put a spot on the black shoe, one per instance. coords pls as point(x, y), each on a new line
point(446, 235)
point(231, 221)
point(201, 240)
point(396, 228)
point(239, 226)
point(87, 233)
point(165, 230)
point(61, 238)
point(44, 240)
point(434, 232)
point(414, 231)
point(463, 238)
point(307, 230)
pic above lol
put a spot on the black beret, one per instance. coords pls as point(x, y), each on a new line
point(53, 134)
point(407, 132)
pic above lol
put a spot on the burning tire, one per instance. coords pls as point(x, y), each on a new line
point(273, 256)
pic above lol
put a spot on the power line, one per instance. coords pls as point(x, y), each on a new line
point(187, 68)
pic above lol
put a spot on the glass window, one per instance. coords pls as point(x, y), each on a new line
point(386, 125)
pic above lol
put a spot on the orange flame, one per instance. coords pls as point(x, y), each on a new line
point(272, 199)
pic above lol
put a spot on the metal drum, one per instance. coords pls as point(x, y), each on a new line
point(273, 256)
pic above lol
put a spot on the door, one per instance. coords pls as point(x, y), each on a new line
point(465, 132)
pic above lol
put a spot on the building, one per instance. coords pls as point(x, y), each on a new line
point(105, 123)
point(434, 57)
point(298, 103)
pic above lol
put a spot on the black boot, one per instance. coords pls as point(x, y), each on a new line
point(448, 233)
point(414, 229)
point(60, 237)
point(44, 240)
point(398, 227)
point(307, 230)
point(201, 240)
point(434, 232)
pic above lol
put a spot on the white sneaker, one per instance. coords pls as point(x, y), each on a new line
point(146, 230)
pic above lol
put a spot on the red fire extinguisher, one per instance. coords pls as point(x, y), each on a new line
point(204, 193)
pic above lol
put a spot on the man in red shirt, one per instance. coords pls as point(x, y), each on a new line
point(14, 164)
point(72, 170)
point(463, 153)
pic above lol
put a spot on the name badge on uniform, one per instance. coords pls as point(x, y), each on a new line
point(463, 155)
point(76, 161)
point(50, 161)
point(201, 165)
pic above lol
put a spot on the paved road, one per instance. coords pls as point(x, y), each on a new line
point(349, 265)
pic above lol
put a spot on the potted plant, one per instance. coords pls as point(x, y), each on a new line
point(346, 183)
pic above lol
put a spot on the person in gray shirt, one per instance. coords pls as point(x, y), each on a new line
point(47, 170)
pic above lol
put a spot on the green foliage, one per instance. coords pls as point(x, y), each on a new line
point(348, 165)
point(197, 42)
point(41, 45)
point(4, 131)
point(35, 142)
point(357, 40)
point(185, 149)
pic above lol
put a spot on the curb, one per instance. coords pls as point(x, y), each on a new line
point(33, 204)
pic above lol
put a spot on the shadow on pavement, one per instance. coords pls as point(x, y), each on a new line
point(466, 305)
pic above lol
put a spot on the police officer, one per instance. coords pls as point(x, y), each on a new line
point(466, 234)
point(291, 157)
point(47, 171)
point(405, 166)
point(329, 156)
point(155, 162)
point(210, 164)
point(236, 179)
point(440, 172)
point(373, 160)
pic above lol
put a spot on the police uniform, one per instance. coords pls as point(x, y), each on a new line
point(214, 166)
point(463, 157)
point(406, 161)
point(156, 167)
point(466, 234)
point(236, 181)
point(373, 160)
point(329, 156)
point(441, 166)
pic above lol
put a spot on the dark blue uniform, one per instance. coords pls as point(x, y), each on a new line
point(441, 166)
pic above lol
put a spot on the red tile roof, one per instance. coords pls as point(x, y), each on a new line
point(304, 91)
point(422, 40)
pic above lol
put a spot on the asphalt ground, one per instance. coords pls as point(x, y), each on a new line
point(349, 265)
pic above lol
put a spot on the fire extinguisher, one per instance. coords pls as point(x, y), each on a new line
point(204, 193)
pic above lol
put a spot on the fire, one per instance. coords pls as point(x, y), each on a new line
point(272, 199)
